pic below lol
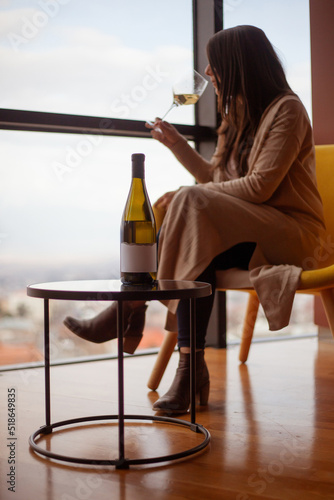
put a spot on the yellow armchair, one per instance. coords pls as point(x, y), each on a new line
point(316, 282)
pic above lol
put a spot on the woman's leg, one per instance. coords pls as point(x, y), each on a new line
point(203, 312)
point(237, 256)
point(103, 326)
point(177, 398)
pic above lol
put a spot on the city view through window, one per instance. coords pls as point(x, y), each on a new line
point(62, 195)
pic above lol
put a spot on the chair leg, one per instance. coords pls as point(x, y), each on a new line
point(327, 298)
point(166, 350)
point(248, 328)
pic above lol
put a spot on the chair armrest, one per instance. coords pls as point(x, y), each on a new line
point(317, 279)
point(159, 215)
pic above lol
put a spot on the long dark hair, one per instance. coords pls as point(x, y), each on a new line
point(249, 77)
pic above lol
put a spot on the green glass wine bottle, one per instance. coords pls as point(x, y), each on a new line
point(138, 231)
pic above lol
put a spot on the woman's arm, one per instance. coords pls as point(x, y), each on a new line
point(272, 156)
point(167, 134)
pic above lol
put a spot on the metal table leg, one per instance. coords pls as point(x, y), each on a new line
point(192, 313)
point(48, 428)
point(122, 462)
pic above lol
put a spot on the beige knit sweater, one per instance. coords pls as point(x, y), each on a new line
point(276, 205)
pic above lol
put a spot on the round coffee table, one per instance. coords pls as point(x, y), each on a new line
point(114, 290)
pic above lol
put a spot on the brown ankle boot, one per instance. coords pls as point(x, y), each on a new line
point(177, 399)
point(103, 327)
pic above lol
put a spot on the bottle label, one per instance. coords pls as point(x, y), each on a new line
point(138, 258)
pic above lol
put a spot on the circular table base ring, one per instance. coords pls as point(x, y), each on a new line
point(120, 463)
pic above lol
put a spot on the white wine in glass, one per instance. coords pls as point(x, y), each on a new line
point(187, 90)
point(183, 99)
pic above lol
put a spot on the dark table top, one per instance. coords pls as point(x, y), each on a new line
point(115, 290)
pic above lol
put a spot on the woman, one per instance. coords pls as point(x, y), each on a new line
point(255, 204)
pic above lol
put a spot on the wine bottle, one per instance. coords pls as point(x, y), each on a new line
point(138, 231)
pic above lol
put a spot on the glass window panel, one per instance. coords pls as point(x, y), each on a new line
point(287, 26)
point(61, 201)
point(102, 58)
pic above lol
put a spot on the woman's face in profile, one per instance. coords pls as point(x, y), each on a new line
point(209, 72)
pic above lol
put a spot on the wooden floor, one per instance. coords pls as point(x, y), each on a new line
point(271, 423)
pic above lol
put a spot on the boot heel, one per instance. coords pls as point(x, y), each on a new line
point(177, 398)
point(134, 332)
point(204, 394)
point(130, 344)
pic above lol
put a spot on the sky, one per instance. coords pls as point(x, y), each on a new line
point(62, 195)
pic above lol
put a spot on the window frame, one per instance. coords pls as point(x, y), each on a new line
point(207, 20)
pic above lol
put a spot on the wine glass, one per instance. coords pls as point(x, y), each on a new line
point(187, 90)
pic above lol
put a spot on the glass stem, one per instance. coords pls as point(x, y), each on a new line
point(172, 106)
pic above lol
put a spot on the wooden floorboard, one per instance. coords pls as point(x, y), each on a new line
point(271, 423)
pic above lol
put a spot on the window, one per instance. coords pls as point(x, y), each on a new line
point(287, 26)
point(101, 58)
point(65, 65)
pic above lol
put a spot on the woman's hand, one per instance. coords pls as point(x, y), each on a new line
point(164, 132)
point(165, 200)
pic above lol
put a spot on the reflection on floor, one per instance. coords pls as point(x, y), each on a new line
point(271, 423)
